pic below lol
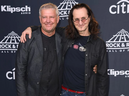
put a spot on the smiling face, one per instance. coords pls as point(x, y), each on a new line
point(48, 20)
point(81, 15)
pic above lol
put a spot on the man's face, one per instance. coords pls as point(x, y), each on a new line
point(81, 19)
point(48, 20)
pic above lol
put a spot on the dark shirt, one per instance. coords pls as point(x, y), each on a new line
point(74, 66)
point(49, 80)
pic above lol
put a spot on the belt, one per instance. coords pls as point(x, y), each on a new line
point(78, 92)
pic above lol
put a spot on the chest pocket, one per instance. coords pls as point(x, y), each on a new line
point(94, 59)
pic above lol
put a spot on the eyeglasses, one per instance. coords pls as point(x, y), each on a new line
point(77, 20)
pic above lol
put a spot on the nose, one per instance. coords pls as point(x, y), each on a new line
point(80, 22)
point(48, 19)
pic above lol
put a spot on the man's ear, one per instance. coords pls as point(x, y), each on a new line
point(40, 19)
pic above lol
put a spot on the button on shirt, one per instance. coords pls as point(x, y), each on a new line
point(49, 81)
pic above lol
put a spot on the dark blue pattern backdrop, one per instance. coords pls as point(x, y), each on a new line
point(112, 15)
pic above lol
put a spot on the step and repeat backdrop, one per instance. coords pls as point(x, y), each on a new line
point(112, 15)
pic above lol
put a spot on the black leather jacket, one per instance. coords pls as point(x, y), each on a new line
point(95, 84)
point(29, 64)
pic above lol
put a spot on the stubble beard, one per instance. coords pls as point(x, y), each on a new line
point(80, 31)
point(49, 31)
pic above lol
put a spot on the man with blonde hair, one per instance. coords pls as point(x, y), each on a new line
point(39, 58)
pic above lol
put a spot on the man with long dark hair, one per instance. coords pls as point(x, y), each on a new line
point(85, 50)
point(82, 50)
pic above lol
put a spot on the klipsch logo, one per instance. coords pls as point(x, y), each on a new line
point(122, 7)
point(10, 43)
point(23, 10)
point(119, 42)
point(65, 7)
point(116, 73)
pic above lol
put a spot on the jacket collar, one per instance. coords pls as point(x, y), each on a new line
point(91, 39)
point(38, 37)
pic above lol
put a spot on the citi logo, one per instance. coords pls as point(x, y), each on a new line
point(11, 74)
point(116, 73)
point(23, 10)
point(65, 7)
point(10, 43)
point(119, 42)
point(122, 7)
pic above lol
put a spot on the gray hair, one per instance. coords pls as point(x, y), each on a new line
point(48, 6)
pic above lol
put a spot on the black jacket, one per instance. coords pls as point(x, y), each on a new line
point(29, 63)
point(95, 84)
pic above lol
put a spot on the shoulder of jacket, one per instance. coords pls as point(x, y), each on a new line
point(60, 30)
point(98, 40)
point(37, 31)
point(34, 33)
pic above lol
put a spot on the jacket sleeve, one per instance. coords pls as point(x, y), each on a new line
point(33, 28)
point(102, 77)
point(21, 67)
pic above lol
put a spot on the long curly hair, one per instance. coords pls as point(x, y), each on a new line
point(71, 31)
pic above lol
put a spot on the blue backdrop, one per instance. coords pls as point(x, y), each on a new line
point(112, 15)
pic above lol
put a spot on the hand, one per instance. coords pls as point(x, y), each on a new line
point(95, 69)
point(23, 36)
